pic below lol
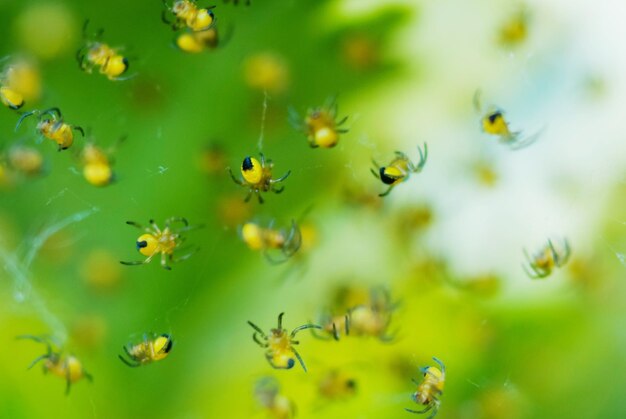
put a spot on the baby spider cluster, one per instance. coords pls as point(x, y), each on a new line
point(196, 25)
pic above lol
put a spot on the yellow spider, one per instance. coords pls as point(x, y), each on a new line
point(57, 363)
point(164, 242)
point(188, 14)
point(430, 389)
point(152, 348)
point(268, 239)
point(320, 124)
point(94, 54)
point(280, 344)
point(52, 127)
point(494, 123)
point(257, 177)
point(544, 261)
point(399, 169)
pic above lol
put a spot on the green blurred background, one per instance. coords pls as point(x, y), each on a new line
point(447, 244)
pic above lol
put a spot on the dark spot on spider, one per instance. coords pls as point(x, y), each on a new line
point(247, 164)
point(141, 244)
point(492, 118)
point(387, 180)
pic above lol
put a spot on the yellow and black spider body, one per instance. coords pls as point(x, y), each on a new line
point(545, 260)
point(151, 349)
point(279, 343)
point(98, 55)
point(267, 393)
point(399, 169)
point(52, 126)
point(337, 385)
point(20, 82)
point(320, 124)
point(55, 362)
point(257, 177)
point(430, 389)
point(493, 122)
point(187, 14)
point(268, 239)
point(97, 168)
point(155, 241)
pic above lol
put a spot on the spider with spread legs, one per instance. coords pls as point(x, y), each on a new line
point(257, 177)
point(280, 344)
point(399, 169)
point(544, 261)
point(156, 241)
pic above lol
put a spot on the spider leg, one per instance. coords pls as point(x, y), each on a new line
point(36, 360)
point(24, 116)
point(172, 220)
point(164, 264)
point(274, 261)
point(375, 173)
point(304, 326)
point(128, 362)
point(386, 192)
point(185, 256)
point(135, 263)
point(54, 112)
point(154, 226)
point(280, 320)
point(299, 359)
point(443, 367)
point(535, 274)
point(261, 344)
point(139, 226)
point(67, 377)
point(258, 329)
point(430, 406)
point(258, 195)
point(237, 181)
point(295, 119)
point(423, 158)
point(278, 190)
point(248, 196)
point(79, 129)
point(319, 336)
point(566, 254)
point(164, 17)
point(280, 179)
point(341, 122)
